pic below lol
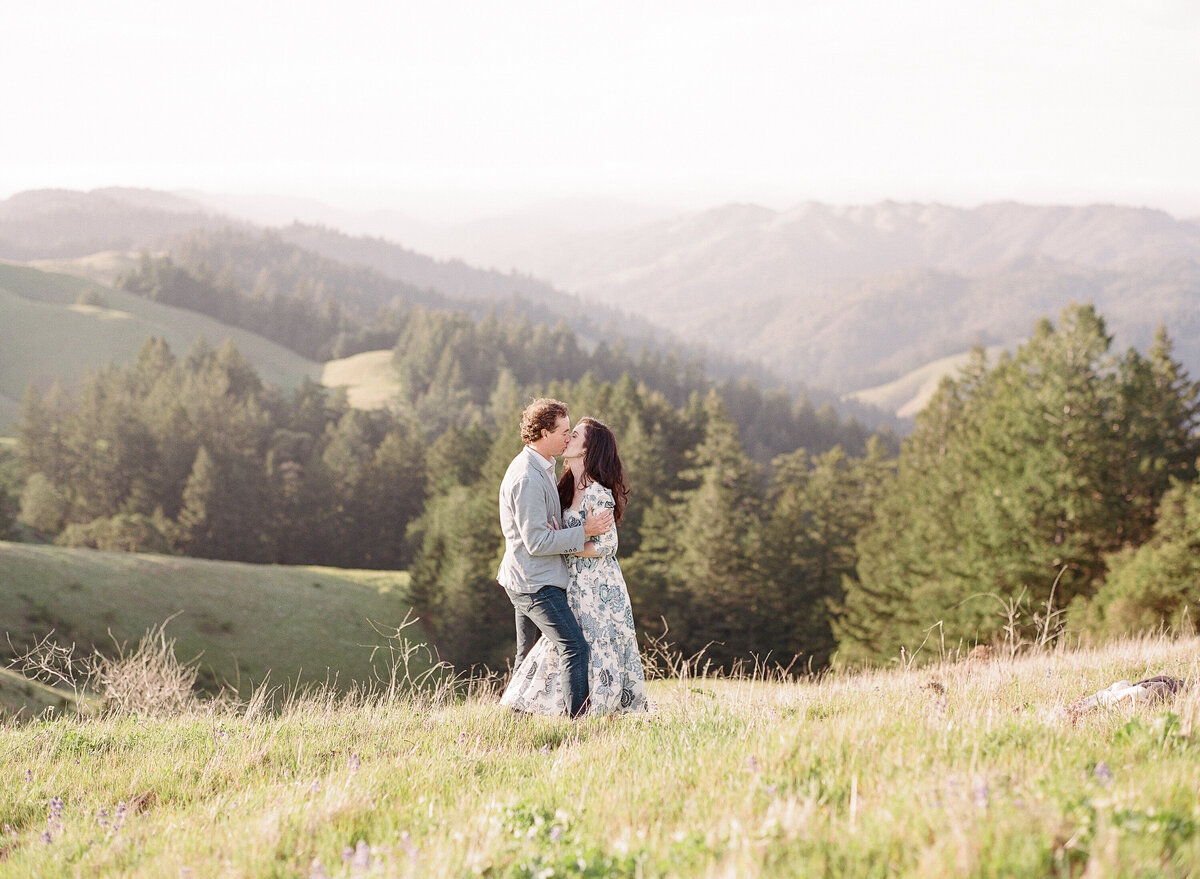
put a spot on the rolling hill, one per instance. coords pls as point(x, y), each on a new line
point(99, 234)
point(839, 298)
point(23, 697)
point(48, 335)
point(242, 621)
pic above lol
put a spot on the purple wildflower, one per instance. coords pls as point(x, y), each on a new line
point(54, 822)
point(981, 795)
point(409, 848)
point(362, 857)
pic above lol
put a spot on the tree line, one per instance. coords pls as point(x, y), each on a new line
point(1063, 476)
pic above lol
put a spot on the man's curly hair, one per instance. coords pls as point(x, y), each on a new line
point(542, 414)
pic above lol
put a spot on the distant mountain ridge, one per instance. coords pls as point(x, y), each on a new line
point(847, 298)
point(54, 224)
point(57, 223)
point(594, 319)
point(453, 278)
point(851, 297)
point(830, 242)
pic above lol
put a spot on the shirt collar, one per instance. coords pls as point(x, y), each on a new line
point(533, 453)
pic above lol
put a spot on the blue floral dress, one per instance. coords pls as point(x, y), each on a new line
point(598, 598)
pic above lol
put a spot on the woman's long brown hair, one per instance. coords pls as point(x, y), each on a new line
point(601, 463)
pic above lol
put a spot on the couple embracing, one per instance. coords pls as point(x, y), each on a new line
point(576, 647)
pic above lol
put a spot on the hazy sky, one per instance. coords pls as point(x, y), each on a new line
point(692, 103)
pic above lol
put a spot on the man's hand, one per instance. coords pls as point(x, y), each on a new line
point(598, 523)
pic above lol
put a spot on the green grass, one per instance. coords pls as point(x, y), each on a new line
point(298, 623)
point(21, 697)
point(967, 769)
point(45, 336)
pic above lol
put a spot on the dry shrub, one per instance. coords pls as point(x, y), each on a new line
point(661, 659)
point(148, 680)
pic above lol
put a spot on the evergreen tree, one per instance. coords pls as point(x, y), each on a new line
point(391, 494)
point(815, 510)
point(715, 600)
point(197, 523)
point(1017, 481)
point(453, 585)
point(1157, 584)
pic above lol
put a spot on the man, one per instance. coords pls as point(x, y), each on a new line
point(534, 569)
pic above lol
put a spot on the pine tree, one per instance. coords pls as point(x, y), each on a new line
point(1158, 584)
point(814, 512)
point(391, 494)
point(197, 532)
point(1017, 482)
point(717, 601)
point(459, 547)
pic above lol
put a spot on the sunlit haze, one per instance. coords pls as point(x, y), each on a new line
point(448, 107)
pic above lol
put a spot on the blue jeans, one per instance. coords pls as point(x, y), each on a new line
point(546, 613)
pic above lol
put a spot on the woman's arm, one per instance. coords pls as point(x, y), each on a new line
point(588, 551)
point(600, 500)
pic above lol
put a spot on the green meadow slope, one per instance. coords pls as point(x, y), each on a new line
point(943, 771)
point(45, 336)
point(23, 698)
point(303, 624)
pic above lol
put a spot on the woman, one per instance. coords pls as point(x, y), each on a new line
point(592, 480)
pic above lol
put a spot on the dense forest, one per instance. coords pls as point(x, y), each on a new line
point(195, 454)
point(1063, 476)
point(317, 307)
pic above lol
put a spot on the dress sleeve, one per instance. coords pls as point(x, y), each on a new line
point(600, 498)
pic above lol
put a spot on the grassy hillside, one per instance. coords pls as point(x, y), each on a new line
point(908, 395)
point(242, 620)
point(105, 267)
point(23, 698)
point(369, 378)
point(45, 336)
point(951, 770)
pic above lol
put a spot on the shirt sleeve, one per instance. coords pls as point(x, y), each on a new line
point(598, 499)
point(529, 517)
